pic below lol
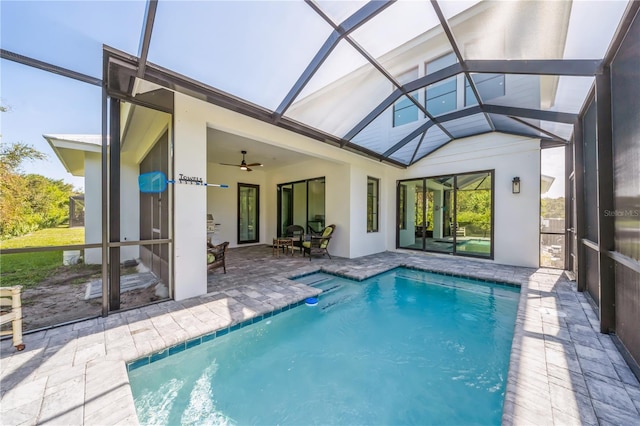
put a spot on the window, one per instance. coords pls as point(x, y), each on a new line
point(373, 195)
point(441, 97)
point(490, 86)
point(405, 110)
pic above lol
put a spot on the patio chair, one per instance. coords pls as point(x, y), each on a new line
point(11, 312)
point(318, 244)
point(295, 232)
point(216, 256)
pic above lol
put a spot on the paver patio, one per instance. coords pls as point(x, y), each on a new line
point(562, 370)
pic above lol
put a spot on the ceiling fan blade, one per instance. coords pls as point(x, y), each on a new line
point(254, 165)
point(227, 164)
point(248, 169)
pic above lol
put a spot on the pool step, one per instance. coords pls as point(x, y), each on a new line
point(324, 283)
point(328, 287)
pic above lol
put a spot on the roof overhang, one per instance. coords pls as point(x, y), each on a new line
point(545, 183)
point(71, 150)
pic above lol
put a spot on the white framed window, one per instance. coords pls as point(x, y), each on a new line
point(404, 110)
point(442, 97)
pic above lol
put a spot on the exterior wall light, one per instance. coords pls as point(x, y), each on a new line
point(515, 185)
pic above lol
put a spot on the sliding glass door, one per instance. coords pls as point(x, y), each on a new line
point(302, 203)
point(447, 214)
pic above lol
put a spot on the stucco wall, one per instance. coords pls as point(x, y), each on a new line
point(517, 216)
point(93, 206)
point(190, 206)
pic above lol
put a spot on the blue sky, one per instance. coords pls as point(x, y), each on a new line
point(40, 103)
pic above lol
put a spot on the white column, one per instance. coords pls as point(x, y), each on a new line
point(190, 201)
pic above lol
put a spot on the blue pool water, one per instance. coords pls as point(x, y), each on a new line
point(404, 347)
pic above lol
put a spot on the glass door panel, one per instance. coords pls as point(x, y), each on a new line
point(472, 227)
point(315, 217)
point(299, 204)
point(411, 217)
point(438, 213)
point(248, 207)
point(285, 210)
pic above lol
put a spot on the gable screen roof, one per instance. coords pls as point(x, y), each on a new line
point(335, 71)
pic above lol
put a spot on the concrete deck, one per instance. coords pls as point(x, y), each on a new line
point(562, 370)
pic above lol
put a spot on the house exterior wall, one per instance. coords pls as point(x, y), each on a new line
point(190, 201)
point(93, 206)
point(362, 242)
point(516, 216)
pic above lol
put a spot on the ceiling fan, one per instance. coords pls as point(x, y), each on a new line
point(243, 165)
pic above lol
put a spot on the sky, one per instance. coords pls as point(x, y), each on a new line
point(256, 53)
point(552, 164)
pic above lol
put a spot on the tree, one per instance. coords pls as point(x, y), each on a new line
point(13, 189)
point(474, 210)
point(552, 207)
point(29, 202)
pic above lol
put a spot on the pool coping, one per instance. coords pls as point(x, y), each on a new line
point(196, 341)
point(561, 370)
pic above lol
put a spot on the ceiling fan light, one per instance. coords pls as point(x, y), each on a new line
point(243, 167)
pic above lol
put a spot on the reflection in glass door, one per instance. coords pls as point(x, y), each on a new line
point(286, 207)
point(248, 208)
point(439, 209)
point(315, 203)
point(411, 215)
point(473, 226)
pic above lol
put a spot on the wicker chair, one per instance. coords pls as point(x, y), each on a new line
point(216, 256)
point(319, 244)
point(296, 233)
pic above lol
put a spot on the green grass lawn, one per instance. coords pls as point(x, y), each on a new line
point(30, 269)
point(60, 236)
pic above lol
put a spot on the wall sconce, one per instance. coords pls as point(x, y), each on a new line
point(515, 185)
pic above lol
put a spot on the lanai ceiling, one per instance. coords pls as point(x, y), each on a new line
point(333, 70)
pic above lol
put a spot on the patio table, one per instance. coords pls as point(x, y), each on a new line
point(286, 244)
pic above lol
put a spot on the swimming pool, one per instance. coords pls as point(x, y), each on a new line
point(404, 347)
